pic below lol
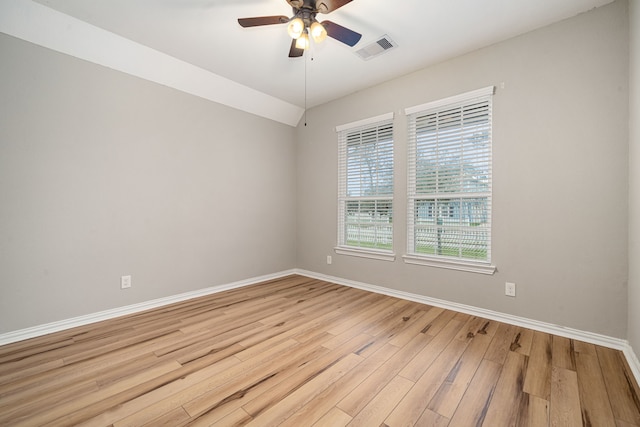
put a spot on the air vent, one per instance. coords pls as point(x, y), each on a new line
point(384, 44)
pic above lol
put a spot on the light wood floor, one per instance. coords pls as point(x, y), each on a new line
point(302, 352)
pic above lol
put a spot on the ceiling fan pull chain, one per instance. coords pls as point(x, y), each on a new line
point(305, 90)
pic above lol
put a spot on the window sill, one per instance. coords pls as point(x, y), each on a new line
point(470, 266)
point(366, 253)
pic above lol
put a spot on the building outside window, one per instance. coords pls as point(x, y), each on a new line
point(449, 182)
point(365, 194)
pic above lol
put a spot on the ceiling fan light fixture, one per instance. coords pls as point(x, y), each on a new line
point(303, 41)
point(318, 32)
point(302, 27)
point(295, 28)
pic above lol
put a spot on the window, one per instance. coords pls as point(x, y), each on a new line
point(365, 193)
point(449, 183)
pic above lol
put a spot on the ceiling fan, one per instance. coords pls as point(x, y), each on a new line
point(303, 24)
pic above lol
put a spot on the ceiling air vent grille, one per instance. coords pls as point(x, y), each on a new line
point(384, 44)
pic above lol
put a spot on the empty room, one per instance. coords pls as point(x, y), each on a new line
point(320, 213)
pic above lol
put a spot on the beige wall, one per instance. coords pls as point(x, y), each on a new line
point(103, 174)
point(634, 178)
point(560, 175)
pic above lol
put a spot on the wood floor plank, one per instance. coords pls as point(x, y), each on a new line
point(172, 418)
point(422, 361)
point(334, 418)
point(396, 323)
point(374, 307)
point(565, 398)
point(236, 319)
point(360, 397)
point(536, 412)
point(435, 326)
point(508, 402)
point(253, 380)
point(473, 407)
point(245, 387)
point(16, 379)
point(336, 392)
point(65, 376)
point(87, 405)
point(359, 324)
point(500, 345)
point(447, 398)
point(563, 353)
point(297, 351)
point(208, 392)
point(333, 317)
point(383, 403)
point(131, 346)
point(236, 418)
point(476, 326)
point(419, 322)
point(192, 346)
point(390, 317)
point(306, 373)
point(411, 407)
point(340, 298)
point(581, 347)
point(26, 348)
point(262, 341)
point(596, 408)
point(624, 400)
point(224, 400)
point(538, 377)
point(522, 341)
point(128, 343)
point(24, 407)
point(432, 419)
point(159, 395)
point(303, 394)
point(22, 358)
point(34, 363)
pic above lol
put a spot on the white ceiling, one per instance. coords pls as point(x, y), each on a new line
point(205, 33)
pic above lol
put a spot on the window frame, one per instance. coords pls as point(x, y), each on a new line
point(460, 262)
point(344, 131)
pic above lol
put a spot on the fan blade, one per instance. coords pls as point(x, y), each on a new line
point(262, 20)
point(326, 6)
point(341, 33)
point(295, 52)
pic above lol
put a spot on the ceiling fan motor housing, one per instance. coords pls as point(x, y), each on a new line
point(312, 5)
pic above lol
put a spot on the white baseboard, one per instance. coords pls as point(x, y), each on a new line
point(590, 337)
point(632, 360)
point(49, 328)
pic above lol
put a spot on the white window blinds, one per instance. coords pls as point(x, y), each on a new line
point(449, 178)
point(365, 193)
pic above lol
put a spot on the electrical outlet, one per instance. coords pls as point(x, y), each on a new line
point(329, 260)
point(510, 289)
point(125, 282)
